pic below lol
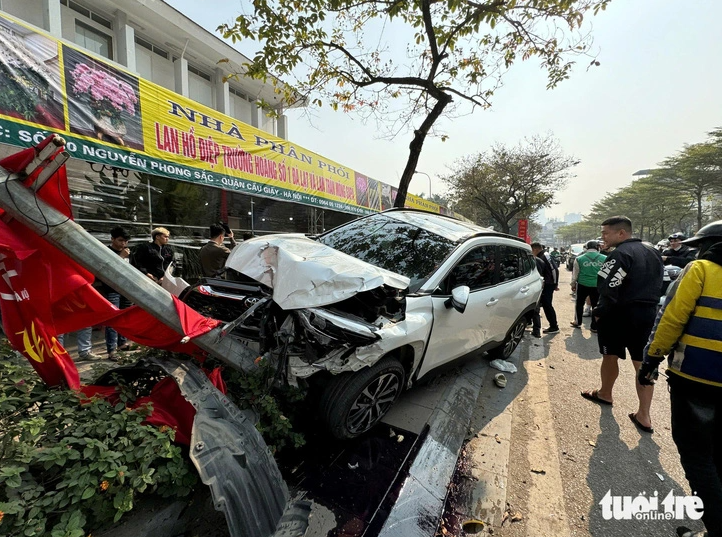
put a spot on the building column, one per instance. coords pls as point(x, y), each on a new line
point(256, 119)
point(223, 97)
point(282, 124)
point(125, 39)
point(181, 76)
point(51, 18)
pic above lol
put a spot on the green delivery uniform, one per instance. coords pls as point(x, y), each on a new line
point(584, 281)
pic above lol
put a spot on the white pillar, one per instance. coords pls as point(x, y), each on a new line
point(181, 76)
point(125, 39)
point(282, 125)
point(223, 97)
point(256, 118)
point(51, 18)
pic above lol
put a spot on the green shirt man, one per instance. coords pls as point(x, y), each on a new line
point(586, 267)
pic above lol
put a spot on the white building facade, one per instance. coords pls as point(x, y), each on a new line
point(159, 44)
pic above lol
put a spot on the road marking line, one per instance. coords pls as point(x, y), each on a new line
point(547, 513)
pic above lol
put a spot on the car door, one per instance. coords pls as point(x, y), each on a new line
point(455, 334)
point(518, 288)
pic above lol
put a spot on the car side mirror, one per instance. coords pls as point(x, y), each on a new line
point(459, 298)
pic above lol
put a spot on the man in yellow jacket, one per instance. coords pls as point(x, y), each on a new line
point(689, 332)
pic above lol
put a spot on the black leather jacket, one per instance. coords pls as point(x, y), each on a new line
point(631, 275)
point(680, 258)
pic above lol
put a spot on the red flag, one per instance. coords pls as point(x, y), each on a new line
point(44, 293)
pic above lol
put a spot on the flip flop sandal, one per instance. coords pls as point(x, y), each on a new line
point(641, 427)
point(500, 380)
point(594, 397)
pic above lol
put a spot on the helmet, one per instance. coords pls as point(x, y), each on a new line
point(593, 245)
point(710, 231)
point(677, 235)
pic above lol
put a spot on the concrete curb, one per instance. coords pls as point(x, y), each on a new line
point(420, 504)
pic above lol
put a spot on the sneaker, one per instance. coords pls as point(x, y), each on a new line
point(88, 356)
point(536, 333)
point(551, 330)
point(587, 312)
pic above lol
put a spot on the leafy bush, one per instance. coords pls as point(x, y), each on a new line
point(279, 409)
point(68, 464)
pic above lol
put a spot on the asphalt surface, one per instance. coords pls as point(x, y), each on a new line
point(566, 453)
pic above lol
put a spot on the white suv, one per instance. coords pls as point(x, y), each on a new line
point(361, 312)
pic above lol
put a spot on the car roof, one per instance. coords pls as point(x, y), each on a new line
point(443, 225)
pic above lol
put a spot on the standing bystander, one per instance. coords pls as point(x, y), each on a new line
point(629, 284)
point(584, 282)
point(689, 331)
point(119, 238)
point(153, 258)
point(213, 254)
point(678, 254)
point(551, 284)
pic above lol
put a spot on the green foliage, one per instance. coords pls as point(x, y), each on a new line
point(279, 408)
point(68, 465)
point(407, 63)
point(682, 195)
point(509, 183)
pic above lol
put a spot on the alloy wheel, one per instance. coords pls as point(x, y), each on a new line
point(373, 402)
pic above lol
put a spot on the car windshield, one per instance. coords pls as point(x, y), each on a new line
point(577, 248)
point(393, 245)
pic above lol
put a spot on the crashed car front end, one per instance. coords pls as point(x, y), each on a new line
point(355, 313)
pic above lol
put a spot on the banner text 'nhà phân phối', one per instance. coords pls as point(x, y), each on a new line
point(111, 116)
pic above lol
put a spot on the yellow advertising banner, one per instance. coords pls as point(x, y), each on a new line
point(111, 116)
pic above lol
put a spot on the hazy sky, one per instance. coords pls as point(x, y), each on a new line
point(657, 88)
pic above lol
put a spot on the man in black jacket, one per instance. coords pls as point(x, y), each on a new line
point(678, 254)
point(551, 284)
point(628, 285)
point(153, 258)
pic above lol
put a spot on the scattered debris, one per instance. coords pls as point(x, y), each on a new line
point(660, 476)
point(352, 466)
point(538, 471)
point(400, 438)
point(473, 526)
point(592, 443)
point(498, 440)
point(500, 380)
point(392, 433)
point(516, 517)
point(503, 365)
point(551, 367)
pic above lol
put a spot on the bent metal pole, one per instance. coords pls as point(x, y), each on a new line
point(21, 203)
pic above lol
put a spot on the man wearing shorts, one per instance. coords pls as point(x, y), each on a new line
point(628, 285)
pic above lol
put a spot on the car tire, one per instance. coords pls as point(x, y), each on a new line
point(511, 341)
point(352, 403)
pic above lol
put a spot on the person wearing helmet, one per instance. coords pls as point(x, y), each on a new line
point(678, 254)
point(584, 281)
point(688, 331)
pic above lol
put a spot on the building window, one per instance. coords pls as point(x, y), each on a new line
point(147, 45)
point(200, 73)
point(87, 13)
point(93, 40)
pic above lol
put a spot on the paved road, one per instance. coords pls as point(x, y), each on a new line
point(566, 453)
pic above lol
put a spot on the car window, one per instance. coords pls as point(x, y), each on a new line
point(529, 263)
point(511, 261)
point(393, 245)
point(476, 269)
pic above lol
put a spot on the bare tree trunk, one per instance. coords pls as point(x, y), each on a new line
point(415, 148)
point(699, 209)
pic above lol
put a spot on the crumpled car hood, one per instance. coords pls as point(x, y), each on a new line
point(304, 273)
